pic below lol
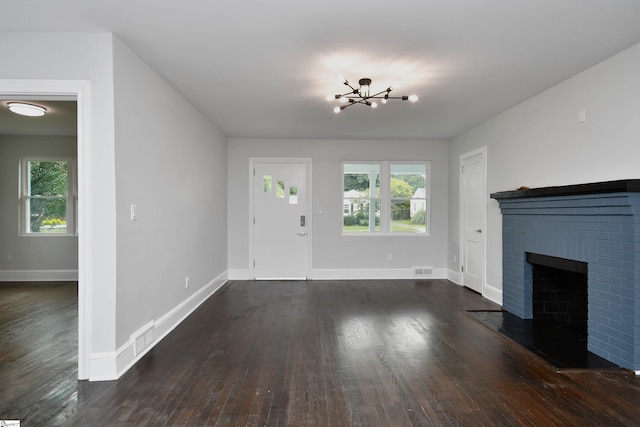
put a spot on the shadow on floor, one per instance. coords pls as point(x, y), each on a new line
point(562, 347)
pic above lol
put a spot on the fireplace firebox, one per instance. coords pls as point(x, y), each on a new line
point(559, 289)
point(591, 234)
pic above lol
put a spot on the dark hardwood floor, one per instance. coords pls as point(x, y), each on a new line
point(321, 353)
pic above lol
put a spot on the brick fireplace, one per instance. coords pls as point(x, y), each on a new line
point(595, 226)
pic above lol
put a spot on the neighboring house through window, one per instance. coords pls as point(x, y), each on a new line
point(385, 197)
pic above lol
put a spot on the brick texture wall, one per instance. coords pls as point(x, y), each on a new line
point(602, 230)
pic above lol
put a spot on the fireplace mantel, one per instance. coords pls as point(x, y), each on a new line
point(598, 224)
point(620, 186)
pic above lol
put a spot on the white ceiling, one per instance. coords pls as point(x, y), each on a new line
point(60, 119)
point(263, 69)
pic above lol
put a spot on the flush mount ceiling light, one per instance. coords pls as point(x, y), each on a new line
point(362, 95)
point(24, 109)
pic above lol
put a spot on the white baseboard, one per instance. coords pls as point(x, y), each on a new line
point(454, 276)
point(355, 274)
point(112, 365)
point(38, 275)
point(102, 366)
point(374, 273)
point(239, 274)
point(492, 294)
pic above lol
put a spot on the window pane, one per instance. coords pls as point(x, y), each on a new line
point(407, 180)
point(48, 215)
point(408, 216)
point(408, 204)
point(362, 212)
point(361, 204)
point(293, 195)
point(48, 178)
point(280, 190)
point(360, 178)
point(266, 183)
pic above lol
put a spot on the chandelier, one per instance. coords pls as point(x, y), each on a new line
point(362, 95)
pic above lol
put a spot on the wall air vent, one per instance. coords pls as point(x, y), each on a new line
point(143, 338)
point(422, 271)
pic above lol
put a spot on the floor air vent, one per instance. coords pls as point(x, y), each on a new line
point(422, 271)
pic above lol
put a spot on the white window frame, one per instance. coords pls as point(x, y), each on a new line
point(385, 197)
point(24, 196)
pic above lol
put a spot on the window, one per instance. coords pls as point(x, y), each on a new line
point(385, 198)
point(47, 197)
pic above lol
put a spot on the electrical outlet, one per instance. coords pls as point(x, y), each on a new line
point(186, 282)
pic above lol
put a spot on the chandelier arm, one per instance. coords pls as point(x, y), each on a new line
point(388, 97)
point(353, 89)
point(357, 97)
point(377, 95)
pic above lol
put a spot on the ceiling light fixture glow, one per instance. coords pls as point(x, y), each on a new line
point(362, 95)
point(24, 109)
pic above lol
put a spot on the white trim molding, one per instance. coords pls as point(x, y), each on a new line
point(492, 293)
point(38, 275)
point(112, 365)
point(80, 91)
point(239, 274)
point(454, 276)
point(358, 274)
point(374, 273)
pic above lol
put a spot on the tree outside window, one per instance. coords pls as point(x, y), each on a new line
point(385, 197)
point(48, 197)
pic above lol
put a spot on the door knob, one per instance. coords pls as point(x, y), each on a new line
point(302, 234)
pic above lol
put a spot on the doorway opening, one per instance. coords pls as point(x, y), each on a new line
point(76, 92)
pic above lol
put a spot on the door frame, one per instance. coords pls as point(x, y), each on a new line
point(78, 90)
point(473, 153)
point(309, 218)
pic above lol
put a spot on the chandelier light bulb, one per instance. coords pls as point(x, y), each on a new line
point(413, 98)
point(374, 105)
point(337, 110)
point(330, 97)
point(384, 100)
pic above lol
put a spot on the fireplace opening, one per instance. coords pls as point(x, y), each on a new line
point(559, 296)
point(558, 328)
point(559, 292)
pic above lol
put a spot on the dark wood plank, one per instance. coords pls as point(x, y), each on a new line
point(39, 351)
point(317, 353)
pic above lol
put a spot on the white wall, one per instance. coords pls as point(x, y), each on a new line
point(170, 163)
point(335, 255)
point(31, 257)
point(45, 62)
point(540, 143)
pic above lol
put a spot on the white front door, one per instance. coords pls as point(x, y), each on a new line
point(473, 207)
point(280, 220)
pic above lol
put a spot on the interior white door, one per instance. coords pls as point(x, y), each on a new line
point(280, 220)
point(473, 195)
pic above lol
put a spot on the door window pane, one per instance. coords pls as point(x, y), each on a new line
point(280, 190)
point(266, 183)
